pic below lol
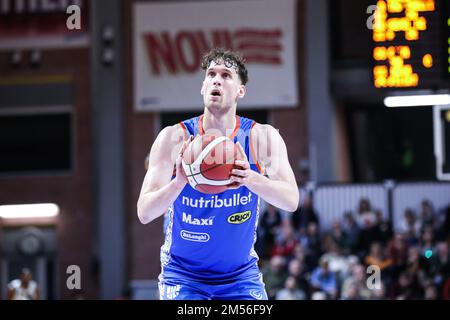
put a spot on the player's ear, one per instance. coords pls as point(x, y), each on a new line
point(241, 92)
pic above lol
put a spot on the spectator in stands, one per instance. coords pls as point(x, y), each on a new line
point(351, 292)
point(352, 230)
point(416, 268)
point(267, 231)
point(367, 221)
point(312, 242)
point(446, 290)
point(304, 214)
point(340, 237)
point(274, 275)
point(431, 293)
point(366, 216)
point(290, 290)
point(427, 214)
point(296, 269)
point(411, 227)
point(440, 263)
point(338, 263)
point(353, 260)
point(286, 240)
point(308, 262)
point(427, 242)
point(426, 250)
point(405, 288)
point(383, 228)
point(356, 278)
point(23, 288)
point(377, 257)
point(322, 279)
point(413, 262)
point(397, 252)
point(366, 237)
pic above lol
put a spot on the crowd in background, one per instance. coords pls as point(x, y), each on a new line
point(359, 257)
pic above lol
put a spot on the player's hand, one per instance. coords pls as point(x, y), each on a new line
point(180, 179)
point(241, 174)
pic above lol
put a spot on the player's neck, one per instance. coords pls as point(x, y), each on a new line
point(225, 123)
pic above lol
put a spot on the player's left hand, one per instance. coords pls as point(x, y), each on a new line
point(241, 174)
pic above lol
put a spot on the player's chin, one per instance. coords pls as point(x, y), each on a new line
point(213, 103)
point(216, 106)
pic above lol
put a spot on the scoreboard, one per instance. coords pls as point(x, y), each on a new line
point(411, 44)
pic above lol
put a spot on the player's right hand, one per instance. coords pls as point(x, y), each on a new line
point(180, 176)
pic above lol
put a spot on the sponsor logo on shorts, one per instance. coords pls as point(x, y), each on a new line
point(239, 217)
point(187, 218)
point(172, 291)
point(194, 236)
point(256, 294)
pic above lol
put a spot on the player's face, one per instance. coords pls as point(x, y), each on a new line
point(221, 88)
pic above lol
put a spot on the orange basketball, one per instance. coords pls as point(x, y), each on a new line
point(208, 161)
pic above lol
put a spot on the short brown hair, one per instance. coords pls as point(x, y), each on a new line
point(230, 59)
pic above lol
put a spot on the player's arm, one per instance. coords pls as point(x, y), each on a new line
point(279, 187)
point(158, 191)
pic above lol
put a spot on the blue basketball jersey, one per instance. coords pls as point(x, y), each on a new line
point(210, 237)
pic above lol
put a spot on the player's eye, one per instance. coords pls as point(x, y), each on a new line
point(211, 74)
point(226, 76)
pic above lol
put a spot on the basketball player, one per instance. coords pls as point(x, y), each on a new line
point(208, 251)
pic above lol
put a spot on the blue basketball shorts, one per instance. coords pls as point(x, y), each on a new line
point(187, 289)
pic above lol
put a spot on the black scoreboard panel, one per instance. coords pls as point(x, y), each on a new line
point(350, 38)
point(389, 45)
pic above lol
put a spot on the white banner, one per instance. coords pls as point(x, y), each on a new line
point(171, 38)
